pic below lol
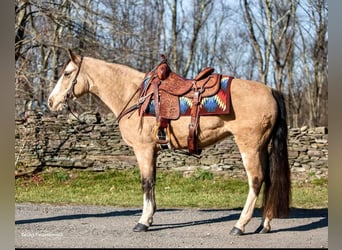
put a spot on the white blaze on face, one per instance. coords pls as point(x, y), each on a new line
point(58, 88)
point(59, 91)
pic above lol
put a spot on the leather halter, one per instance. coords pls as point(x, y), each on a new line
point(71, 92)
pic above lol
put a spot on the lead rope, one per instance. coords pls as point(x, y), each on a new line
point(73, 114)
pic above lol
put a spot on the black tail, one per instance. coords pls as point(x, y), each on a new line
point(277, 190)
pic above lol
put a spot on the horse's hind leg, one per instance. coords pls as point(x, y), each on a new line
point(146, 157)
point(253, 159)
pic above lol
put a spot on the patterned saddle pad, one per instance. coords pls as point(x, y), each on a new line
point(217, 104)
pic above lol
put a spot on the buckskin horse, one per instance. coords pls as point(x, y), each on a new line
point(257, 120)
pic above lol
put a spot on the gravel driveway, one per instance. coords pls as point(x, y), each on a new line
point(69, 226)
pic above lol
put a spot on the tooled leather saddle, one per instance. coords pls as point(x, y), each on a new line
point(162, 88)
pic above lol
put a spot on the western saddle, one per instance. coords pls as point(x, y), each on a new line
point(164, 88)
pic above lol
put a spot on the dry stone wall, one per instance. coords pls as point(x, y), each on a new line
point(45, 140)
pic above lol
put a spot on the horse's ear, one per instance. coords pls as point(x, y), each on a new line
point(74, 57)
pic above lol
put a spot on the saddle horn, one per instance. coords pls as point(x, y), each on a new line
point(163, 70)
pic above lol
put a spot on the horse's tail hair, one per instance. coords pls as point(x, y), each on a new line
point(277, 189)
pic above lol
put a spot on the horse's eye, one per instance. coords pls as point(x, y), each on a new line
point(67, 73)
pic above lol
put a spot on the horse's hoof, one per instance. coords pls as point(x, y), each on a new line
point(140, 228)
point(236, 231)
point(262, 230)
point(265, 231)
point(150, 221)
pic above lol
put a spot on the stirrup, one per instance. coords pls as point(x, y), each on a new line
point(162, 136)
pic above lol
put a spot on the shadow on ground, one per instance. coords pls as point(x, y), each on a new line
point(296, 213)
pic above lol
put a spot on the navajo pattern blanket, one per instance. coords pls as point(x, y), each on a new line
point(218, 104)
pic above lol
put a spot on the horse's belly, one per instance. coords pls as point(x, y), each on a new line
point(211, 129)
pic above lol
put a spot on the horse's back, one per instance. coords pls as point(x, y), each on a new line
point(252, 100)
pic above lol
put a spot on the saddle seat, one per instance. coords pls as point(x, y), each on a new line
point(176, 85)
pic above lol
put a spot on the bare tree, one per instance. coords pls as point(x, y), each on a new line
point(20, 25)
point(201, 11)
point(314, 60)
point(175, 30)
point(283, 38)
point(261, 34)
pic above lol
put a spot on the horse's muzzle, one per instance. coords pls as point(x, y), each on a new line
point(56, 107)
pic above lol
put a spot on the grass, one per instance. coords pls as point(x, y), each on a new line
point(122, 188)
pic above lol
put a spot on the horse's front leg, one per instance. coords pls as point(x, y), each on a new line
point(146, 157)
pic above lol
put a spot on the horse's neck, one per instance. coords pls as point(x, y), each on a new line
point(113, 83)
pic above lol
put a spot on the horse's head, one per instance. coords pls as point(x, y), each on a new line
point(71, 84)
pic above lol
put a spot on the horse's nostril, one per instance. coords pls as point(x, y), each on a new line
point(50, 103)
